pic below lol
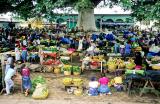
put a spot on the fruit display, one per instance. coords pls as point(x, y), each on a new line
point(115, 63)
point(156, 67)
point(76, 70)
point(67, 67)
point(130, 64)
point(67, 81)
point(77, 81)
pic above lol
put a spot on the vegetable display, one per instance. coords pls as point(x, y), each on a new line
point(36, 80)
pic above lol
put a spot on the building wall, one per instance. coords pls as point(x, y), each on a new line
point(105, 17)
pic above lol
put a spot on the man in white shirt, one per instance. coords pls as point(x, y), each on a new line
point(8, 79)
point(9, 62)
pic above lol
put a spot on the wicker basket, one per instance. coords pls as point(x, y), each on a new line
point(77, 82)
point(57, 70)
point(76, 73)
point(67, 73)
point(67, 81)
point(78, 92)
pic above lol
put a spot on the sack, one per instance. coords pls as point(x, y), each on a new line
point(41, 92)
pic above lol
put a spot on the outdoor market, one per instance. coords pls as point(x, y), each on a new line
point(115, 61)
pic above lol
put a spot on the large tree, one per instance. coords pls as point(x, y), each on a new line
point(141, 9)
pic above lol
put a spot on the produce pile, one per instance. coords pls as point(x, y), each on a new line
point(51, 48)
point(68, 69)
point(39, 88)
point(115, 63)
point(74, 81)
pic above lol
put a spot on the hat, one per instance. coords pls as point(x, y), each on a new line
point(93, 79)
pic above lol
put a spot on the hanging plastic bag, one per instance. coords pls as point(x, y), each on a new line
point(41, 92)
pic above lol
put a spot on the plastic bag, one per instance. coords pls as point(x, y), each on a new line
point(41, 92)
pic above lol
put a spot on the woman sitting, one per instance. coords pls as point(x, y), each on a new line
point(138, 60)
point(93, 87)
point(104, 89)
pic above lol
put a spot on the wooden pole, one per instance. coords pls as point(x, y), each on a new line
point(3, 69)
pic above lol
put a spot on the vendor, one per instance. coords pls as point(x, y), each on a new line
point(103, 88)
point(138, 60)
point(93, 87)
point(127, 49)
point(91, 49)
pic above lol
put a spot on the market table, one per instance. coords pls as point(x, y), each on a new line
point(151, 77)
point(101, 65)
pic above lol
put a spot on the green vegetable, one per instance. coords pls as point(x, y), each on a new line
point(36, 80)
point(76, 69)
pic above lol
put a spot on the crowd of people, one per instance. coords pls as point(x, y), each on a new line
point(119, 41)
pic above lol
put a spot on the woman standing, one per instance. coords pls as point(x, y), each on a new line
point(17, 53)
point(24, 54)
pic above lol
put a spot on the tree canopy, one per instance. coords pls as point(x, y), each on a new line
point(141, 9)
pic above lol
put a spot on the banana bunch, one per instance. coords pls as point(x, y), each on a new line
point(111, 65)
point(120, 63)
point(77, 81)
point(67, 81)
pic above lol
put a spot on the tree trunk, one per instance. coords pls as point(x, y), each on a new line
point(86, 20)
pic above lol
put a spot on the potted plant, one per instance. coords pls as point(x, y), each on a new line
point(67, 69)
point(76, 70)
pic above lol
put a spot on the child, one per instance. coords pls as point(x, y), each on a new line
point(26, 82)
point(104, 89)
point(93, 87)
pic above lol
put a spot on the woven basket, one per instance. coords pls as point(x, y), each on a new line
point(57, 70)
point(78, 92)
point(76, 73)
point(67, 73)
point(67, 81)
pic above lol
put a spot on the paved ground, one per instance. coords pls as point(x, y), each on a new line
point(57, 95)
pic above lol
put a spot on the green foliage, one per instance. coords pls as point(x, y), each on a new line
point(36, 80)
point(76, 69)
point(141, 9)
point(83, 4)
